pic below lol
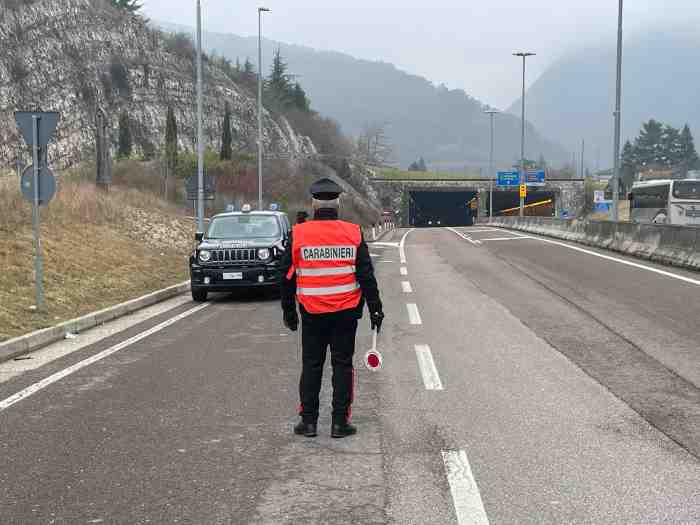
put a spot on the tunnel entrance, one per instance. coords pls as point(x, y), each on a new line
point(442, 208)
point(537, 203)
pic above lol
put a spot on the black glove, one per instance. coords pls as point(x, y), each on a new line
point(376, 319)
point(291, 320)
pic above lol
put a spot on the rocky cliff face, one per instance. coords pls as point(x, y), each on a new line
point(75, 56)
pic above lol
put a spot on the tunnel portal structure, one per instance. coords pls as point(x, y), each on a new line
point(461, 202)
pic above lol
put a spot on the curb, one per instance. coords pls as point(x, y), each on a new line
point(36, 340)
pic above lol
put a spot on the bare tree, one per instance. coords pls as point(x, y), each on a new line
point(373, 145)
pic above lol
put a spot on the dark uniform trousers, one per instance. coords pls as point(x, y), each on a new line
point(319, 333)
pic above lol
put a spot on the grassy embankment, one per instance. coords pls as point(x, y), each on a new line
point(99, 249)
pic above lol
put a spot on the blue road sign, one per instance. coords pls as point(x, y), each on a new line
point(535, 177)
point(508, 178)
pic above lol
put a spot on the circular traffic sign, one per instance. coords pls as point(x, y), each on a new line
point(47, 185)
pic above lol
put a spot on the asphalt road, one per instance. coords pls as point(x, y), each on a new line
point(523, 382)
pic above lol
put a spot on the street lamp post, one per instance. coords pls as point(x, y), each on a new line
point(492, 113)
point(618, 114)
point(200, 144)
point(524, 55)
point(261, 10)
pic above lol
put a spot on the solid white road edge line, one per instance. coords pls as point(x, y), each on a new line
point(431, 378)
point(465, 237)
point(413, 314)
point(404, 270)
point(36, 387)
point(465, 493)
point(696, 282)
point(406, 287)
point(402, 246)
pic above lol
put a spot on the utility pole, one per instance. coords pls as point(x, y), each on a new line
point(522, 141)
point(492, 113)
point(583, 151)
point(618, 114)
point(200, 144)
point(261, 10)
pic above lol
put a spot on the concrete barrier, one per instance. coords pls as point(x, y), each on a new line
point(672, 245)
point(35, 340)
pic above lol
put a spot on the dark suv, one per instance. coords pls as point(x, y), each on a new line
point(239, 250)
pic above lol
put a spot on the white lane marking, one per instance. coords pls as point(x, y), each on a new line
point(385, 244)
point(406, 287)
point(404, 270)
point(413, 314)
point(431, 378)
point(36, 387)
point(465, 237)
point(485, 230)
point(696, 282)
point(402, 246)
point(374, 255)
point(507, 238)
point(386, 261)
point(465, 493)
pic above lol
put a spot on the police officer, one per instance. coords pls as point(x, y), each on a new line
point(329, 272)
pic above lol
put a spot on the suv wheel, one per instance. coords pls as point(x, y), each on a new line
point(199, 295)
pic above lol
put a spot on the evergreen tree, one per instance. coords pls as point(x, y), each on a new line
point(689, 157)
point(671, 154)
point(421, 165)
point(171, 145)
point(226, 138)
point(128, 5)
point(249, 74)
point(125, 145)
point(300, 101)
point(628, 165)
point(279, 81)
point(649, 143)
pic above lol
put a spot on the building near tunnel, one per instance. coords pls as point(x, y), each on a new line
point(460, 202)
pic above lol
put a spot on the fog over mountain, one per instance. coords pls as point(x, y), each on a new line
point(575, 98)
point(446, 127)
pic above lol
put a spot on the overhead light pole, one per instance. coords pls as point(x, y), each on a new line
point(492, 113)
point(524, 55)
point(261, 10)
point(618, 114)
point(200, 144)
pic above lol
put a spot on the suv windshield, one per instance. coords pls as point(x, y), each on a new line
point(689, 189)
point(243, 227)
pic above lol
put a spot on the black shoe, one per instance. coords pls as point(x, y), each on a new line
point(341, 430)
point(305, 429)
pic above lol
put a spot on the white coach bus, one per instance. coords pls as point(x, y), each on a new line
point(666, 202)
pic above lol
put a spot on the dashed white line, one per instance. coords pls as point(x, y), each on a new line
point(402, 246)
point(406, 287)
point(431, 378)
point(36, 387)
point(465, 493)
point(404, 270)
point(413, 314)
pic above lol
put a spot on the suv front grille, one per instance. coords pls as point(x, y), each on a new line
point(234, 255)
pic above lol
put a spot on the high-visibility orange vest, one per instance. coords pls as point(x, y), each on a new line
point(323, 257)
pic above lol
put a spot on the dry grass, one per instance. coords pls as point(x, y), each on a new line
point(99, 249)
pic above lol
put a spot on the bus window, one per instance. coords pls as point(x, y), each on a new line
point(687, 190)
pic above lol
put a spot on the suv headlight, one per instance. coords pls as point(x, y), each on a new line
point(205, 255)
point(263, 254)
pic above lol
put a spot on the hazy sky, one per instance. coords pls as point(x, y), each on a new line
point(461, 43)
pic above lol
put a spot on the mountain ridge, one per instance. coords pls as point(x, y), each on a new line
point(446, 127)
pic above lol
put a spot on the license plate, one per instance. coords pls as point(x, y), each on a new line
point(234, 276)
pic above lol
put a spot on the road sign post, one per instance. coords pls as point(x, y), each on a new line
point(37, 128)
